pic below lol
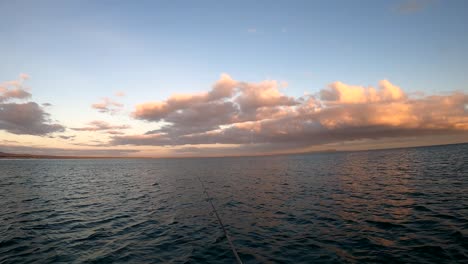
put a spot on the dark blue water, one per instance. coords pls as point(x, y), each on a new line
point(404, 205)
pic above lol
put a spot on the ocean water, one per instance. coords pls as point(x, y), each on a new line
point(402, 205)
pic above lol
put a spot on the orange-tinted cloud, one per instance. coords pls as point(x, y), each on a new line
point(229, 101)
point(177, 103)
point(108, 105)
point(98, 125)
point(114, 132)
point(11, 90)
point(339, 92)
point(258, 113)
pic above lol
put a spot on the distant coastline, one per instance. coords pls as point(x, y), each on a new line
point(4, 155)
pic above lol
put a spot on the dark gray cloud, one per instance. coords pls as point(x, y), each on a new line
point(26, 118)
point(67, 137)
point(23, 118)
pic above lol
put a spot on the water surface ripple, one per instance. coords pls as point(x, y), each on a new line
point(403, 205)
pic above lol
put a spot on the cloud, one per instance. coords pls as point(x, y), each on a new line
point(23, 118)
point(67, 137)
point(107, 105)
point(27, 118)
point(100, 125)
point(24, 76)
point(120, 94)
point(177, 103)
point(258, 114)
point(341, 93)
point(254, 96)
point(95, 143)
point(14, 94)
point(115, 132)
point(252, 30)
point(11, 90)
point(229, 101)
point(412, 6)
point(10, 141)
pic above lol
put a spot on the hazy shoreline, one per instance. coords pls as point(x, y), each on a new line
point(4, 155)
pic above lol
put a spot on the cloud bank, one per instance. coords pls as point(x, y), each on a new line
point(254, 114)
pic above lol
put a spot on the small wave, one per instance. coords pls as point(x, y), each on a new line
point(385, 225)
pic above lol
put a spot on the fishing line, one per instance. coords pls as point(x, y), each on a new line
point(221, 223)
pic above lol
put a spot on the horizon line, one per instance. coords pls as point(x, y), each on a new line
point(25, 156)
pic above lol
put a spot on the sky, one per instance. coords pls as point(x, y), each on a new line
point(217, 78)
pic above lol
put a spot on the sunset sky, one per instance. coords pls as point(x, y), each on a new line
point(216, 78)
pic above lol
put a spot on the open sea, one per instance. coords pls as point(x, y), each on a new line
point(402, 205)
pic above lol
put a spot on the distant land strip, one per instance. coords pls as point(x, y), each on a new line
point(4, 155)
